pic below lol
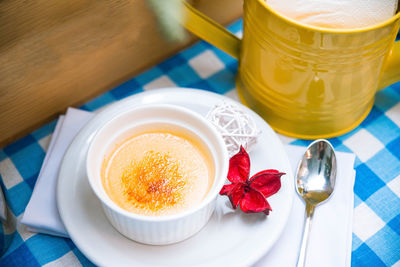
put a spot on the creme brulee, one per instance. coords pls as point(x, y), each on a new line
point(158, 173)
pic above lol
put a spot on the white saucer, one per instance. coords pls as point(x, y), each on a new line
point(231, 238)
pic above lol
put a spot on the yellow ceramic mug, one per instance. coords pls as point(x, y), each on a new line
point(305, 81)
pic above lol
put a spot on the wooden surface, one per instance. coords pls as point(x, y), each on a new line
point(55, 54)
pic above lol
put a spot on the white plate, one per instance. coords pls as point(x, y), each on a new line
point(231, 238)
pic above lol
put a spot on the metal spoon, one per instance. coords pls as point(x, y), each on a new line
point(7, 224)
point(316, 175)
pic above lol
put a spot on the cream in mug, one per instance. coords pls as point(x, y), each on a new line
point(338, 14)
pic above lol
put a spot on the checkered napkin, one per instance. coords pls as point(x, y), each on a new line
point(330, 236)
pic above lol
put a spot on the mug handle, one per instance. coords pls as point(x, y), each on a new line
point(210, 31)
point(391, 73)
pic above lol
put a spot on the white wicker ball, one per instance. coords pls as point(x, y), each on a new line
point(236, 126)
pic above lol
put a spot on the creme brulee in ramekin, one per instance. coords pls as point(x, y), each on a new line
point(157, 171)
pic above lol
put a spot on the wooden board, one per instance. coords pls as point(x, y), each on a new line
point(55, 54)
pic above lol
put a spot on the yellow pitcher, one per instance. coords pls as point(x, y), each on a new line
point(305, 81)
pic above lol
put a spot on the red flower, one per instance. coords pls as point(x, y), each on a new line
point(251, 194)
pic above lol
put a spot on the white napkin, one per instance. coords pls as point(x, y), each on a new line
point(331, 231)
point(331, 228)
point(41, 214)
point(336, 13)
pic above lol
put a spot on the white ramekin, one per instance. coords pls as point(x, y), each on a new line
point(156, 230)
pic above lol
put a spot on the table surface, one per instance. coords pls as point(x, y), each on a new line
point(376, 143)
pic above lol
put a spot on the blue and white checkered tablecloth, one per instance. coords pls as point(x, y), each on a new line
point(376, 142)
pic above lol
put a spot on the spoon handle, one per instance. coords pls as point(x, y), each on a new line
point(307, 225)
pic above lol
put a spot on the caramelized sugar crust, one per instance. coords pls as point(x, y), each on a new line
point(158, 173)
point(154, 182)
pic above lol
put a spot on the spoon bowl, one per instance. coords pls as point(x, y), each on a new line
point(316, 173)
point(315, 181)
